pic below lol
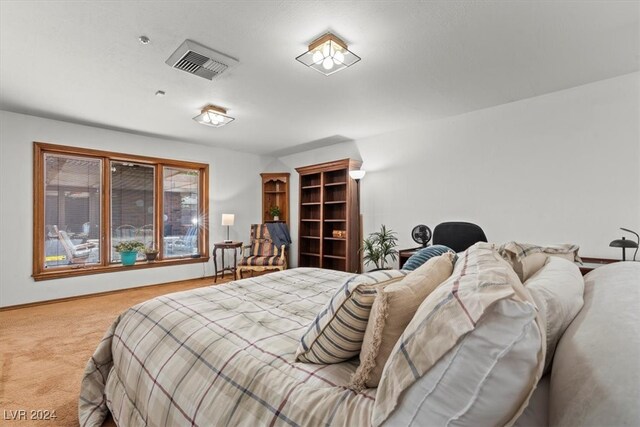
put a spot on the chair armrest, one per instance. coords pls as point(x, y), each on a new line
point(84, 246)
point(282, 249)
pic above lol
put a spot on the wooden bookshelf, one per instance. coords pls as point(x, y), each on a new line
point(328, 202)
point(275, 192)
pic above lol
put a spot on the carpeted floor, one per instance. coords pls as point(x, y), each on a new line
point(44, 350)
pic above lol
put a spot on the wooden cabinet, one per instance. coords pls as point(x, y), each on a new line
point(329, 230)
point(275, 192)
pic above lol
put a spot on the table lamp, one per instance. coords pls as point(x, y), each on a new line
point(624, 244)
point(228, 219)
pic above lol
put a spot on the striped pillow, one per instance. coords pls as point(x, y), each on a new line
point(337, 332)
point(423, 255)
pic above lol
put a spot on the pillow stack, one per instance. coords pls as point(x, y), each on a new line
point(392, 310)
point(526, 259)
point(483, 286)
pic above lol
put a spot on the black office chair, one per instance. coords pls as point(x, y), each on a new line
point(458, 235)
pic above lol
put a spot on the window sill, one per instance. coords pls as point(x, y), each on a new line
point(98, 269)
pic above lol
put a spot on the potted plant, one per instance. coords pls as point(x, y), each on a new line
point(128, 250)
point(379, 246)
point(151, 252)
point(274, 211)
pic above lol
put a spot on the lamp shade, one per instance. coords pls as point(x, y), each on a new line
point(357, 174)
point(228, 219)
point(623, 243)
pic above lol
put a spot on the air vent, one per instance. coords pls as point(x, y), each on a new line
point(199, 60)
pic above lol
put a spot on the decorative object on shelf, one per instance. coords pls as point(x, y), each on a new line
point(128, 250)
point(328, 54)
point(151, 252)
point(274, 211)
point(379, 246)
point(624, 244)
point(421, 234)
point(212, 115)
point(228, 220)
point(339, 234)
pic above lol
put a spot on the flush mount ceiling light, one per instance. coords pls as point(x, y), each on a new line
point(213, 116)
point(328, 54)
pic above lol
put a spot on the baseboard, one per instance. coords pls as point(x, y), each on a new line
point(97, 294)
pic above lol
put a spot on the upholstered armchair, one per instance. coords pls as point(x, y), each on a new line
point(262, 254)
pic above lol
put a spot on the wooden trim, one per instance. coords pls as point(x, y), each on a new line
point(65, 149)
point(79, 270)
point(204, 211)
point(38, 209)
point(100, 294)
point(325, 38)
point(105, 221)
point(158, 235)
point(104, 264)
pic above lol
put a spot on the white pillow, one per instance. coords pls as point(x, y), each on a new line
point(557, 289)
point(484, 379)
point(505, 357)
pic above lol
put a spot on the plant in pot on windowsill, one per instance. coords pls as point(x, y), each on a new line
point(379, 246)
point(274, 211)
point(128, 250)
point(151, 252)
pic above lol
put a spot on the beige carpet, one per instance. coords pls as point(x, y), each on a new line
point(44, 350)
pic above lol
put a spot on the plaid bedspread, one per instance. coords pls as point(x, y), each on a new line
point(223, 355)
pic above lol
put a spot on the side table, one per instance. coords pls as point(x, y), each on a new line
point(589, 263)
point(223, 246)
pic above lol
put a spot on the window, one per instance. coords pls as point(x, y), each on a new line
point(87, 201)
point(132, 205)
point(181, 213)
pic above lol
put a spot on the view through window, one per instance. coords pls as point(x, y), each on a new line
point(132, 205)
point(72, 210)
point(181, 219)
point(88, 201)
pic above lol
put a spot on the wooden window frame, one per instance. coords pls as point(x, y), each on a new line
point(40, 149)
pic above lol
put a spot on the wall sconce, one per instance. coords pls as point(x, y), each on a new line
point(328, 54)
point(228, 220)
point(214, 116)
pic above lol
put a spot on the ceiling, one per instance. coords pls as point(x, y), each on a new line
point(81, 61)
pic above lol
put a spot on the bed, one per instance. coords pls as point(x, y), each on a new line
point(225, 355)
point(222, 355)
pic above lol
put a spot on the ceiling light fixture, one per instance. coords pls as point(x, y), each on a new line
point(328, 54)
point(144, 39)
point(213, 116)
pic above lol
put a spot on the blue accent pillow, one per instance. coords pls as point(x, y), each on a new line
point(420, 257)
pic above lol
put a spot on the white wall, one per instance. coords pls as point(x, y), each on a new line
point(234, 188)
point(563, 167)
point(557, 168)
